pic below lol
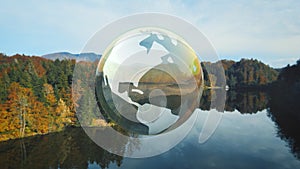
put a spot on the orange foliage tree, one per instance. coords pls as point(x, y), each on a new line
point(22, 114)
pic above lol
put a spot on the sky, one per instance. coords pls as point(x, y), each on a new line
point(267, 30)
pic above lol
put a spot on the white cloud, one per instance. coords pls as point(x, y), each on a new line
point(259, 28)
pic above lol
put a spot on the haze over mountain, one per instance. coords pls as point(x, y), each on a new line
point(78, 57)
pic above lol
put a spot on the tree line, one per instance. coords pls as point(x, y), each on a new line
point(246, 73)
point(36, 97)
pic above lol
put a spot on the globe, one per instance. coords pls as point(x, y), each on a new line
point(148, 81)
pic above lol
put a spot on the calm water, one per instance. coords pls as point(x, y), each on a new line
point(256, 131)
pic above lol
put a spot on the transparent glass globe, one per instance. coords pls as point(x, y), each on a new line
point(148, 81)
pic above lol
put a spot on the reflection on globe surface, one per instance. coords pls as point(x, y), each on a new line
point(148, 81)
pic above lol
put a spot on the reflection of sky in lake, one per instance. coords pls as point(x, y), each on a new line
point(240, 141)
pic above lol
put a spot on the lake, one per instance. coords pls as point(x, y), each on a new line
point(257, 130)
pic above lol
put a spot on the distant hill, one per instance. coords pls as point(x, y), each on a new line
point(289, 79)
point(78, 57)
point(242, 74)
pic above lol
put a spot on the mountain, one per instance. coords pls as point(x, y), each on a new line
point(78, 57)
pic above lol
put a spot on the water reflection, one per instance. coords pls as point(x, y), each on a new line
point(282, 107)
point(246, 101)
point(68, 149)
point(241, 141)
point(258, 130)
point(284, 111)
point(243, 101)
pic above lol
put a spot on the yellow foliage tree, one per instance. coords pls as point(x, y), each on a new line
point(63, 115)
point(50, 105)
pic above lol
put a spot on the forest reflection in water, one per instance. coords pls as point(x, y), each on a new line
point(72, 148)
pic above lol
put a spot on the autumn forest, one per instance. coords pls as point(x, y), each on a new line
point(35, 96)
point(36, 93)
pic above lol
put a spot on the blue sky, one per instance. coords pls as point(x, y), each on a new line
point(267, 30)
